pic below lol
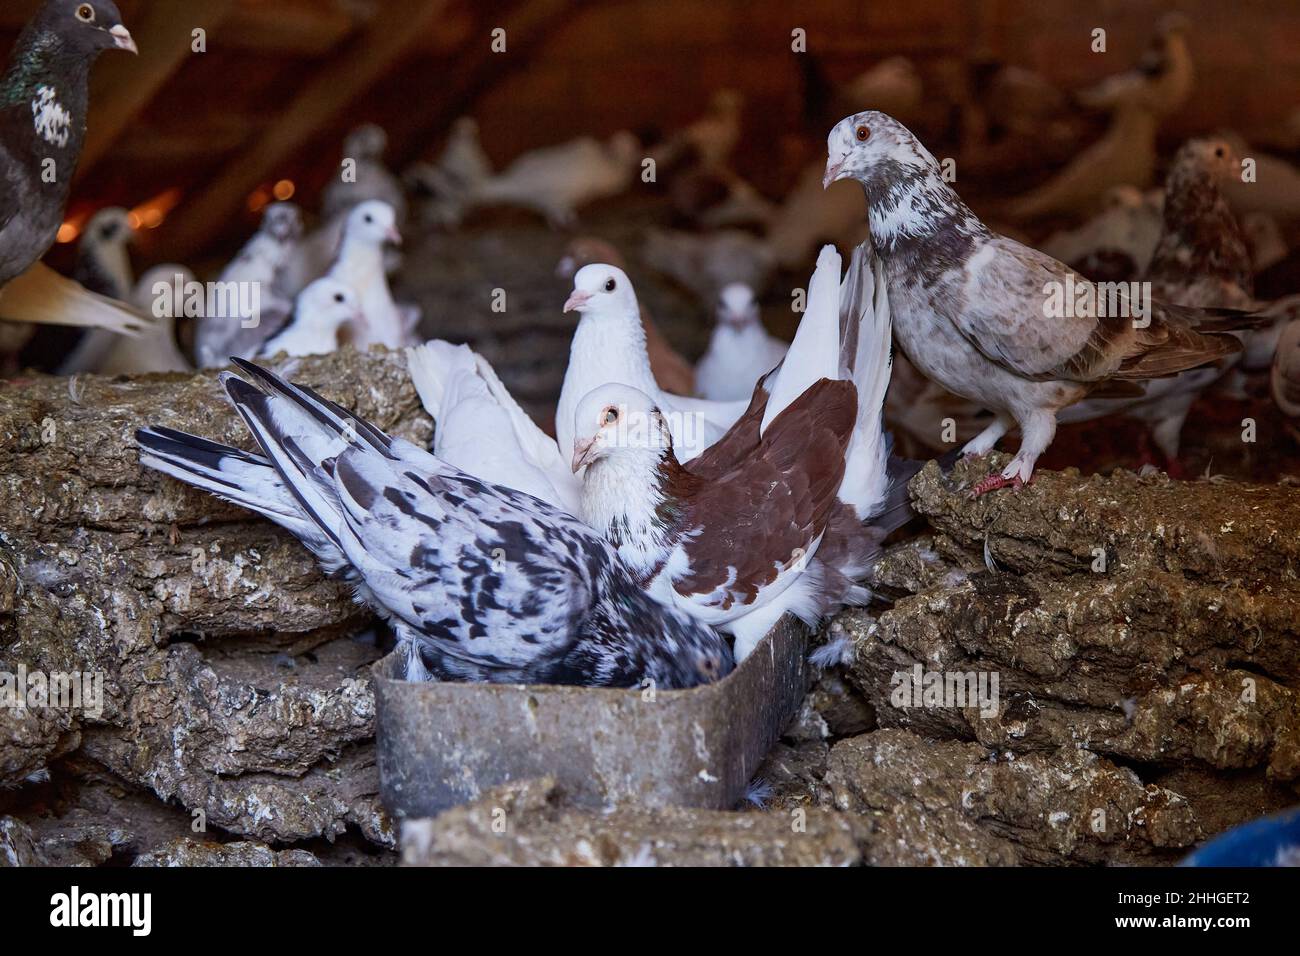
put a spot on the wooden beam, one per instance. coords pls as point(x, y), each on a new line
point(298, 28)
point(124, 85)
point(527, 23)
point(398, 27)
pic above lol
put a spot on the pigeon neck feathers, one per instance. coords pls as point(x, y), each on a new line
point(634, 499)
point(45, 92)
point(910, 209)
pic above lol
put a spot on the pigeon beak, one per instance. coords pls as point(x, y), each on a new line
point(832, 173)
point(123, 40)
point(394, 236)
point(577, 300)
point(583, 454)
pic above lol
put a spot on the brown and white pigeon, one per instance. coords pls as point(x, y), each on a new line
point(480, 583)
point(994, 321)
point(769, 519)
point(44, 101)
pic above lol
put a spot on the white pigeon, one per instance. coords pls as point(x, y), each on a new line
point(103, 266)
point(218, 338)
point(155, 351)
point(740, 352)
point(363, 176)
point(323, 309)
point(609, 346)
point(447, 184)
point(482, 430)
point(559, 180)
point(360, 265)
point(770, 520)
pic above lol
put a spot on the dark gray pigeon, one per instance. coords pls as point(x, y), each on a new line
point(43, 104)
point(999, 323)
point(480, 582)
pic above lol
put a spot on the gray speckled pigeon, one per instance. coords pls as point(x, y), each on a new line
point(480, 582)
point(974, 310)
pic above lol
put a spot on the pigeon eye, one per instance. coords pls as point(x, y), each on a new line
point(863, 134)
point(611, 415)
point(1219, 152)
point(370, 218)
point(338, 297)
point(610, 285)
point(86, 13)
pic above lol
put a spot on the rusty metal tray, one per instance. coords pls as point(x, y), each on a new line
point(444, 744)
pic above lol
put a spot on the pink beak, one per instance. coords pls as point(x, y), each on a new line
point(577, 299)
point(394, 237)
point(832, 173)
point(123, 40)
point(582, 452)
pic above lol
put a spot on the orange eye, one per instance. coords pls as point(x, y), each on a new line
point(863, 134)
point(86, 13)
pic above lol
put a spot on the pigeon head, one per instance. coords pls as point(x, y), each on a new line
point(619, 422)
point(374, 223)
point(366, 142)
point(109, 227)
point(329, 304)
point(698, 656)
point(282, 221)
point(85, 27)
point(602, 289)
point(737, 307)
point(873, 148)
point(1211, 158)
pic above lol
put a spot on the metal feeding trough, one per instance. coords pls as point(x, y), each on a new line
point(444, 744)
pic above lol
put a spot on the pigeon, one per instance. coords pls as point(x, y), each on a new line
point(44, 100)
point(260, 263)
point(103, 259)
point(1115, 245)
point(480, 582)
point(1284, 377)
point(103, 266)
point(971, 308)
point(365, 146)
point(557, 181)
point(1138, 100)
point(671, 371)
point(482, 431)
point(740, 351)
point(770, 519)
point(709, 141)
point(609, 346)
point(323, 310)
point(446, 186)
point(361, 265)
point(705, 264)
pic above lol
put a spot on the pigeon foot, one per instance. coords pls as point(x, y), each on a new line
point(993, 482)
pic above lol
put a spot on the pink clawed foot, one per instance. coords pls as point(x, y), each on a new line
point(993, 482)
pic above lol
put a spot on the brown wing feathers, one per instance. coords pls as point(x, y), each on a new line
point(774, 502)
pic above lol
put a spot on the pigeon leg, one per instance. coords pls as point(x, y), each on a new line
point(983, 443)
point(1037, 432)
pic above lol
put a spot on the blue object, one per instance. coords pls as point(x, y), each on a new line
point(1268, 841)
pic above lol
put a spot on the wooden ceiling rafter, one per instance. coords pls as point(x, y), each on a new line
point(398, 27)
